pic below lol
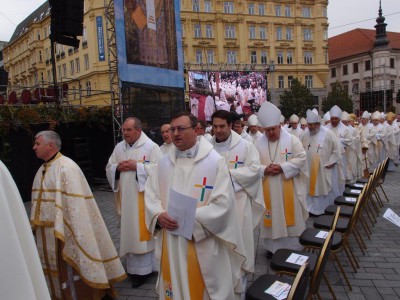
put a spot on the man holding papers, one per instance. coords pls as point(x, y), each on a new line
point(208, 264)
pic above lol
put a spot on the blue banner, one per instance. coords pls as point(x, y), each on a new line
point(100, 38)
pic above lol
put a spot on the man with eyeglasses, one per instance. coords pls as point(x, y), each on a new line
point(285, 171)
point(207, 266)
point(243, 162)
point(127, 176)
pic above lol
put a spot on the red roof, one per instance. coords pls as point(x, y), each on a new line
point(357, 41)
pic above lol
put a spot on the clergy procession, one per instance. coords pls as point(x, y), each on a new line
point(188, 209)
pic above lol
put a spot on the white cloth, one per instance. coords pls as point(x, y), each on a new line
point(127, 188)
point(209, 108)
point(166, 147)
point(377, 138)
point(246, 136)
point(217, 239)
point(21, 275)
point(293, 160)
point(194, 106)
point(255, 136)
point(243, 162)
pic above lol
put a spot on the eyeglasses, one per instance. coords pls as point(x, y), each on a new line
point(179, 128)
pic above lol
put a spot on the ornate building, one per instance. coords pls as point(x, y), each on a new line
point(82, 72)
point(367, 64)
point(292, 34)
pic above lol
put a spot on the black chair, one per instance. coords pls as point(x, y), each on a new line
point(298, 291)
point(317, 264)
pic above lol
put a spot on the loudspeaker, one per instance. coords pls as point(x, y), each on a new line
point(66, 17)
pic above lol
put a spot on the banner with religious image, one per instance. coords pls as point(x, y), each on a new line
point(149, 42)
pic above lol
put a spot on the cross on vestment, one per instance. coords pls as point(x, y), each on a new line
point(318, 147)
point(144, 161)
point(236, 162)
point(286, 153)
point(203, 187)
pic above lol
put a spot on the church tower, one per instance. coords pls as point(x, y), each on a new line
point(380, 27)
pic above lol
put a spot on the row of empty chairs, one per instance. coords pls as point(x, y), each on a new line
point(356, 210)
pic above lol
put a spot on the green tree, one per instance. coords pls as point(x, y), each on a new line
point(296, 100)
point(338, 96)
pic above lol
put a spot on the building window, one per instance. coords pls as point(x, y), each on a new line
point(392, 65)
point(253, 57)
point(210, 56)
point(289, 80)
point(197, 30)
point(59, 72)
point(261, 9)
point(209, 31)
point(289, 57)
point(228, 7)
point(281, 82)
point(231, 56)
point(306, 12)
point(252, 32)
point(72, 67)
point(324, 12)
point(264, 57)
point(355, 88)
point(84, 35)
point(345, 70)
point(325, 34)
point(367, 65)
point(309, 81)
point(333, 72)
point(278, 12)
point(392, 85)
point(196, 5)
point(279, 33)
point(251, 8)
point(64, 66)
point(307, 34)
point(288, 12)
point(308, 57)
point(40, 56)
point(86, 58)
point(230, 31)
point(263, 32)
point(279, 56)
point(207, 6)
point(346, 89)
point(289, 33)
point(355, 67)
point(77, 65)
point(368, 86)
point(88, 88)
point(199, 56)
point(49, 75)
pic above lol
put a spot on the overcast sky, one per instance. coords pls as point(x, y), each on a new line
point(344, 15)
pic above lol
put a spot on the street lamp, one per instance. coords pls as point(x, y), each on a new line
point(271, 69)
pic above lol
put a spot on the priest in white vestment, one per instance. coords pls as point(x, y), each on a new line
point(392, 140)
point(294, 127)
point(166, 135)
point(377, 138)
point(343, 134)
point(209, 107)
point(354, 156)
point(284, 161)
point(243, 162)
point(194, 106)
point(391, 120)
point(324, 162)
point(21, 275)
point(363, 129)
point(254, 125)
point(238, 127)
point(127, 177)
point(209, 265)
point(78, 256)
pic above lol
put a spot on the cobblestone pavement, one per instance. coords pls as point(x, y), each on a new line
point(377, 278)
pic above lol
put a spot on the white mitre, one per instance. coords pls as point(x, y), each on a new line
point(303, 121)
point(327, 116)
point(312, 117)
point(269, 115)
point(252, 121)
point(376, 115)
point(366, 115)
point(335, 111)
point(294, 118)
point(345, 116)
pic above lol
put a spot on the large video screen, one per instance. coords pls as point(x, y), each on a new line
point(243, 91)
point(149, 42)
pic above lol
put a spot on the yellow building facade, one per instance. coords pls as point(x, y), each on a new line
point(291, 33)
point(84, 69)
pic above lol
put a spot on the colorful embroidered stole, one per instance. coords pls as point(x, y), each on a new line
point(165, 269)
point(314, 173)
